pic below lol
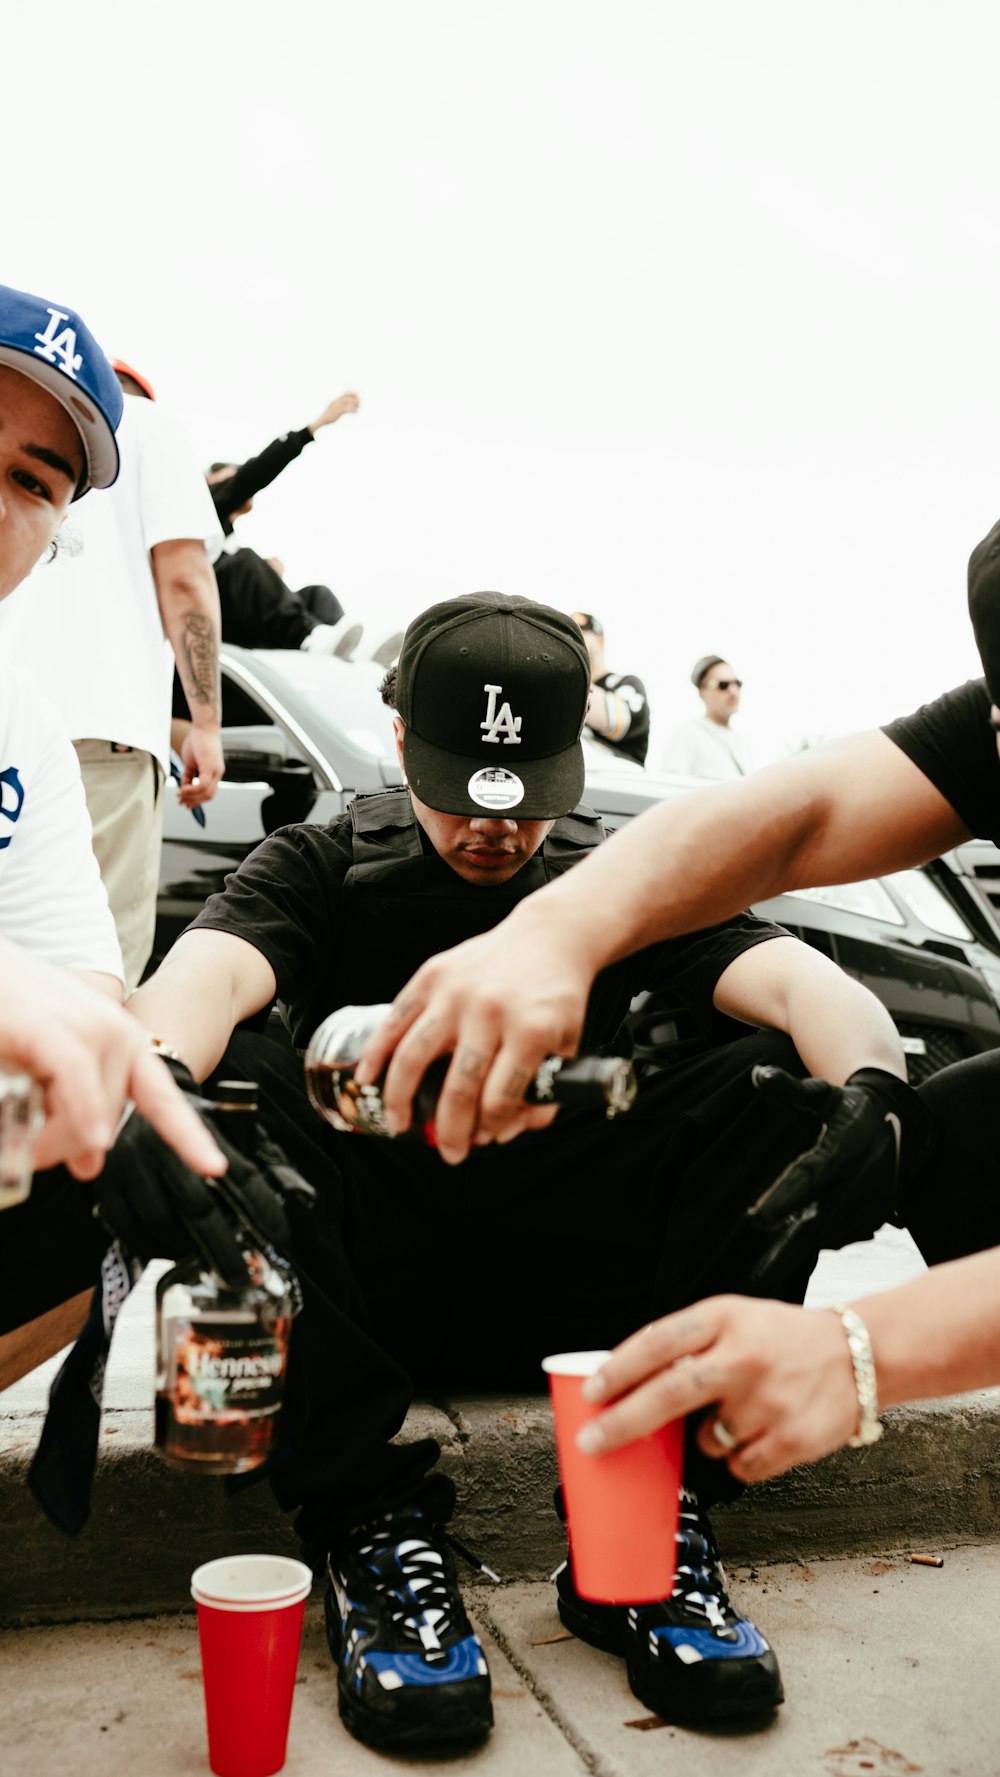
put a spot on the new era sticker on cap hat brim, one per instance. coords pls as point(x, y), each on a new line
point(496, 789)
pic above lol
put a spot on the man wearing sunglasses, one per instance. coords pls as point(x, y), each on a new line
point(707, 746)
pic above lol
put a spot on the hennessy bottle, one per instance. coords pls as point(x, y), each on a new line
point(221, 1352)
point(221, 1366)
point(334, 1049)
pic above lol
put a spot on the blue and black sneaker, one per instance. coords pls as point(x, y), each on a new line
point(410, 1670)
point(690, 1658)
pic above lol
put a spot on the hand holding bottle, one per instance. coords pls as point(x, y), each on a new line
point(353, 1107)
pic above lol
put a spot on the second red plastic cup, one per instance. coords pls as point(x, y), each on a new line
point(250, 1610)
point(621, 1508)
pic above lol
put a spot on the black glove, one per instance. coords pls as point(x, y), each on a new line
point(158, 1208)
point(874, 1133)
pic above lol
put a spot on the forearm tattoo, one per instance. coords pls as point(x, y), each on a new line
point(199, 666)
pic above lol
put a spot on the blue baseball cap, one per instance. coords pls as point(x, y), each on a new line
point(49, 343)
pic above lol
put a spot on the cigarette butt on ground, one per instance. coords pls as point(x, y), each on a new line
point(567, 1635)
point(927, 1560)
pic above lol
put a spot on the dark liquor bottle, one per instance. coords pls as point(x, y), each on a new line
point(333, 1051)
point(221, 1352)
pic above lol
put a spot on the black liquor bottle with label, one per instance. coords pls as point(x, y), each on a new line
point(591, 1080)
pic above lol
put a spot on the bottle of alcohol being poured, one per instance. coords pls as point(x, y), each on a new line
point(335, 1047)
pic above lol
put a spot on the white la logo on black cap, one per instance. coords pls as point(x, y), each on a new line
point(503, 718)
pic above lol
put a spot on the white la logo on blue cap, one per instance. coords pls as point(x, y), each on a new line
point(60, 351)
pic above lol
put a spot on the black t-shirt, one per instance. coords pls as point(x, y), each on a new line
point(952, 743)
point(287, 899)
point(634, 741)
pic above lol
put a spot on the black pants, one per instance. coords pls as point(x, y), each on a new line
point(953, 1207)
point(424, 1278)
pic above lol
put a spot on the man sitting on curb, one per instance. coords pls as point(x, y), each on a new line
point(491, 695)
point(786, 1387)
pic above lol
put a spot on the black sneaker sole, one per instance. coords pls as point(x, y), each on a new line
point(443, 1723)
point(591, 1625)
point(751, 1693)
point(442, 1715)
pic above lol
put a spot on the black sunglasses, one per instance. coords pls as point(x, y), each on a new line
point(724, 684)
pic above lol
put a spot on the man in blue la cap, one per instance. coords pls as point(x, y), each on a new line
point(60, 404)
point(59, 407)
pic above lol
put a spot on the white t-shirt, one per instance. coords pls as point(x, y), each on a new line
point(701, 748)
point(52, 899)
point(87, 626)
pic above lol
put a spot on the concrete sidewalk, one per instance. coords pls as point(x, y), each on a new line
point(888, 1668)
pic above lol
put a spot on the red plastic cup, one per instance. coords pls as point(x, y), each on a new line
point(621, 1508)
point(250, 1610)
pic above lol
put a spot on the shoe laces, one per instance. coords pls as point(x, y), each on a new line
point(700, 1583)
point(409, 1571)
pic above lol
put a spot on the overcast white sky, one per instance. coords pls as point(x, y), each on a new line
point(685, 314)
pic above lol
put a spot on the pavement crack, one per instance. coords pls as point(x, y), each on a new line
point(589, 1759)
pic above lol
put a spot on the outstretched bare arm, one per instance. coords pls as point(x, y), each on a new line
point(856, 808)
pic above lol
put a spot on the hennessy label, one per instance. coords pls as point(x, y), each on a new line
point(226, 1373)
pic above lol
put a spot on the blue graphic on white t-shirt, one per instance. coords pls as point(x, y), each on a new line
point(11, 800)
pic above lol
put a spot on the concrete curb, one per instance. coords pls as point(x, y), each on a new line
point(933, 1481)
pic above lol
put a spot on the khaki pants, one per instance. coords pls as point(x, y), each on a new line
point(124, 790)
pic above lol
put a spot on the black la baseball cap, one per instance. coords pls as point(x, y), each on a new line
point(493, 691)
